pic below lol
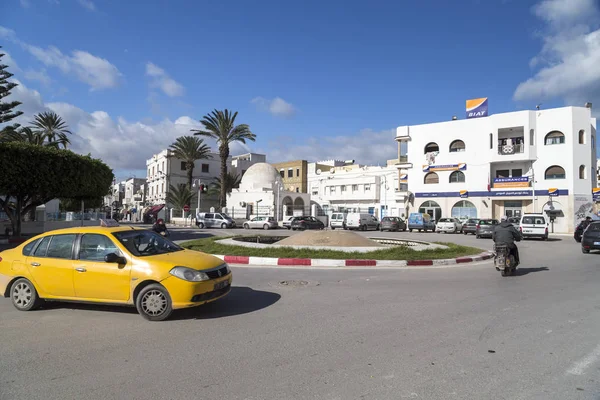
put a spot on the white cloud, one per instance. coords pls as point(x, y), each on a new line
point(87, 4)
point(570, 54)
point(124, 145)
point(277, 106)
point(8, 60)
point(95, 71)
point(161, 79)
point(366, 147)
point(39, 76)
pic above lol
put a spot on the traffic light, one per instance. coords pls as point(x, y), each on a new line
point(203, 189)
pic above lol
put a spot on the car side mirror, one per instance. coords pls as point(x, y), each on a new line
point(114, 258)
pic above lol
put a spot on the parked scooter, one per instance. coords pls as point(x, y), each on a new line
point(504, 261)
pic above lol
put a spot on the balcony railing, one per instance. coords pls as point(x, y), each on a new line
point(509, 149)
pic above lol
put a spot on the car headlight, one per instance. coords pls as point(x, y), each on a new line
point(188, 274)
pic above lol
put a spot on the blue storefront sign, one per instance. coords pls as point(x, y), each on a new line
point(497, 193)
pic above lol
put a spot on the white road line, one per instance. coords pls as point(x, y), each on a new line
point(580, 366)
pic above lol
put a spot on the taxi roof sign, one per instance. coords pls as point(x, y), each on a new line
point(109, 223)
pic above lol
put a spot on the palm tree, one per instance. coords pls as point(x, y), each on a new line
point(52, 128)
point(220, 125)
point(189, 149)
point(27, 135)
point(179, 196)
point(232, 181)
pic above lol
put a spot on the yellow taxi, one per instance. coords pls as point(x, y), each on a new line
point(118, 265)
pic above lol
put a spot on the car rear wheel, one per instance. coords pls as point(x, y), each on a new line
point(266, 227)
point(24, 296)
point(223, 226)
point(154, 303)
point(201, 225)
point(246, 226)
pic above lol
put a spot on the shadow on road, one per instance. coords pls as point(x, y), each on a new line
point(241, 300)
point(189, 235)
point(525, 271)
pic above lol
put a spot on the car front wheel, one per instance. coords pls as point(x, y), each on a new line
point(24, 296)
point(154, 303)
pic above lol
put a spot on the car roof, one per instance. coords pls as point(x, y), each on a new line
point(90, 229)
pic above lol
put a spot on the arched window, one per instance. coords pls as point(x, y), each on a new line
point(582, 137)
point(432, 208)
point(582, 172)
point(457, 177)
point(431, 178)
point(464, 210)
point(431, 147)
point(456, 146)
point(554, 137)
point(555, 172)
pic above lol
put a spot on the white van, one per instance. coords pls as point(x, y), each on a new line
point(534, 225)
point(338, 220)
point(362, 222)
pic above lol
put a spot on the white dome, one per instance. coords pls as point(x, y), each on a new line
point(260, 176)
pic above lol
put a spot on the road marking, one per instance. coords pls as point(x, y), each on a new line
point(580, 366)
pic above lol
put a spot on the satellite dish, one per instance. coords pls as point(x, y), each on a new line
point(318, 172)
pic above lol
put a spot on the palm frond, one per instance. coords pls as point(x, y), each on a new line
point(179, 196)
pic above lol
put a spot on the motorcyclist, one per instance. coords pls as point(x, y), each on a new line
point(584, 224)
point(506, 233)
point(160, 227)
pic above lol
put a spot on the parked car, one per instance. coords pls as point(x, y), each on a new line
point(485, 228)
point(338, 220)
point(534, 225)
point(516, 221)
point(119, 265)
point(392, 224)
point(448, 225)
point(420, 221)
point(287, 222)
point(214, 220)
point(591, 238)
point(470, 226)
point(362, 222)
point(263, 222)
point(303, 223)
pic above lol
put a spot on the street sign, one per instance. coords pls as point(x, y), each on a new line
point(186, 208)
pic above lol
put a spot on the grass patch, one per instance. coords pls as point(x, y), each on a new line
point(209, 245)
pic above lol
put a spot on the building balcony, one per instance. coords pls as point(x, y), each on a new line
point(403, 133)
point(506, 150)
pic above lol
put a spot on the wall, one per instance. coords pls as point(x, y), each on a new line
point(298, 182)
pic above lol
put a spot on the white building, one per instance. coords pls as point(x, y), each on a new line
point(502, 164)
point(165, 170)
point(133, 192)
point(241, 163)
point(356, 188)
point(261, 192)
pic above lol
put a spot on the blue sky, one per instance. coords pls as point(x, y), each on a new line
point(313, 79)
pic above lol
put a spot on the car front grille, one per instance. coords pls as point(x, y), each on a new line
point(211, 295)
point(217, 273)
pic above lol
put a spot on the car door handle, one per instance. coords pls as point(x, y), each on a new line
point(80, 269)
point(34, 264)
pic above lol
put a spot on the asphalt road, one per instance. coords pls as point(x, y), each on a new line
point(451, 333)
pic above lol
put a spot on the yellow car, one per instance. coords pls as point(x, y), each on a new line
point(114, 265)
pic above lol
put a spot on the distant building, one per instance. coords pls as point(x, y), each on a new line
point(241, 163)
point(294, 175)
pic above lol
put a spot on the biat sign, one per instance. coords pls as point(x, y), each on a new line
point(477, 108)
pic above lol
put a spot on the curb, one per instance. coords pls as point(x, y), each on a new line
point(12, 241)
point(316, 262)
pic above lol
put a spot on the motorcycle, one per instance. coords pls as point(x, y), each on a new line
point(165, 233)
point(503, 260)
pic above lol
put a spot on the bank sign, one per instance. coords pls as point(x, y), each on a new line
point(596, 194)
point(477, 108)
point(516, 182)
point(449, 167)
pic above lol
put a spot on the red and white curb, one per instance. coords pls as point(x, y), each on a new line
point(12, 241)
point(314, 262)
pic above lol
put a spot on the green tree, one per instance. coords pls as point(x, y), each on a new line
point(67, 204)
point(52, 128)
point(7, 111)
point(27, 135)
point(57, 174)
point(179, 196)
point(189, 149)
point(220, 125)
point(232, 181)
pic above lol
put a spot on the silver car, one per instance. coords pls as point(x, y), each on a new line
point(261, 223)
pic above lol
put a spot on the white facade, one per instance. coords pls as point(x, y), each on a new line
point(133, 192)
point(533, 161)
point(242, 162)
point(164, 170)
point(356, 188)
point(261, 193)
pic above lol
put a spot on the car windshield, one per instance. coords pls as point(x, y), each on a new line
point(145, 243)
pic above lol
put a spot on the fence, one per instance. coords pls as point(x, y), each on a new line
point(75, 216)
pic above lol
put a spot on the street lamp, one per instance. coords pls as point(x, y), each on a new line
point(279, 189)
point(198, 184)
point(165, 192)
point(257, 207)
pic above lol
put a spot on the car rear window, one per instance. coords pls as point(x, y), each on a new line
point(472, 221)
point(594, 227)
point(445, 220)
point(534, 220)
point(488, 222)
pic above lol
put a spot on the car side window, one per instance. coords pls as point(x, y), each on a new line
point(218, 216)
point(29, 247)
point(208, 216)
point(61, 246)
point(41, 249)
point(95, 247)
